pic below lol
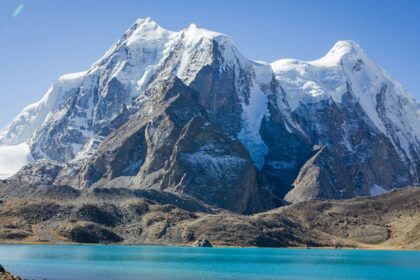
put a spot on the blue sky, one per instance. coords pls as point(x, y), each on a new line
point(42, 39)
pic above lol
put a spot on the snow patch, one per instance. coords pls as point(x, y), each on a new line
point(73, 79)
point(377, 190)
point(215, 166)
point(253, 113)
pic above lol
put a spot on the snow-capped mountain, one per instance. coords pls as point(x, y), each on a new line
point(185, 112)
point(347, 80)
point(387, 104)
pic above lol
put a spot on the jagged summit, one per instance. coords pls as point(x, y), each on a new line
point(145, 30)
point(148, 29)
point(145, 25)
point(146, 21)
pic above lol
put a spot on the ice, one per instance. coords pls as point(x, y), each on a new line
point(254, 110)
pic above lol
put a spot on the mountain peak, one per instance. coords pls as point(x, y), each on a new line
point(146, 22)
point(340, 50)
point(146, 30)
point(193, 26)
point(345, 47)
point(193, 33)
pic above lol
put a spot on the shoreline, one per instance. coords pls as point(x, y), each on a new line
point(215, 246)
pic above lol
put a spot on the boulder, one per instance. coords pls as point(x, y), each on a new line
point(203, 243)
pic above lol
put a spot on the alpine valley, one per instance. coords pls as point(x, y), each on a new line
point(175, 137)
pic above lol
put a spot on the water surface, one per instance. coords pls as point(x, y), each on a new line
point(65, 262)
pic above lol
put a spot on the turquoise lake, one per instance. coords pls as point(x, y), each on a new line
point(65, 262)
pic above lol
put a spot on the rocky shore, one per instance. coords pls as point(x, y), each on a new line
point(4, 275)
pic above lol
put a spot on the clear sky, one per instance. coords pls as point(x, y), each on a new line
point(42, 39)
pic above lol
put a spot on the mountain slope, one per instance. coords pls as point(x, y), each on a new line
point(22, 128)
point(346, 67)
point(184, 112)
point(388, 221)
point(366, 121)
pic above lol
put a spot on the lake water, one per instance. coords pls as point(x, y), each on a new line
point(56, 262)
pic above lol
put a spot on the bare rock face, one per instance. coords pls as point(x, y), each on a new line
point(141, 146)
point(176, 149)
point(218, 93)
point(315, 182)
point(41, 172)
point(210, 165)
point(353, 158)
point(288, 149)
